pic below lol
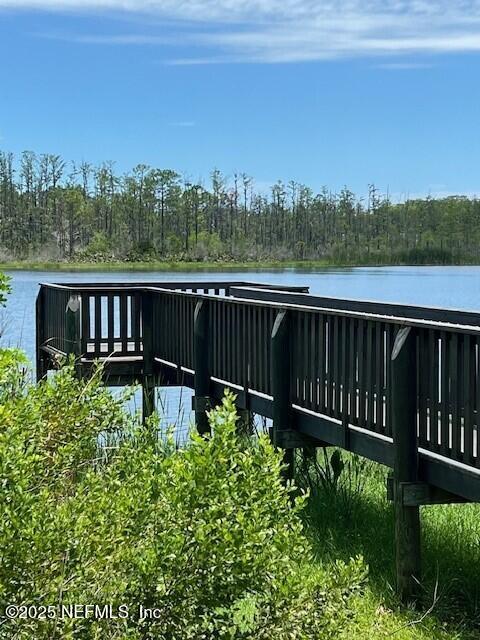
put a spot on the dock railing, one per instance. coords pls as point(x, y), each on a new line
point(393, 383)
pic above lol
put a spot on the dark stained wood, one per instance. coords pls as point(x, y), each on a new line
point(148, 379)
point(339, 368)
point(39, 334)
point(202, 374)
point(404, 423)
point(280, 384)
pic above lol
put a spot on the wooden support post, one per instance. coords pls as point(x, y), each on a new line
point(201, 362)
point(72, 325)
point(148, 379)
point(73, 331)
point(39, 328)
point(280, 379)
point(404, 426)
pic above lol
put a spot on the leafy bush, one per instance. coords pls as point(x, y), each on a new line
point(4, 288)
point(99, 246)
point(99, 510)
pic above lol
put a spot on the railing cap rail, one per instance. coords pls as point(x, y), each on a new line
point(189, 284)
point(282, 300)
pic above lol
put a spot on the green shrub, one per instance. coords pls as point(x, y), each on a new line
point(99, 245)
point(97, 509)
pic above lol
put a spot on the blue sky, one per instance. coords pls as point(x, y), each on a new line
point(327, 93)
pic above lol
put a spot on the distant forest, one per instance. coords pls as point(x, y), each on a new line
point(54, 210)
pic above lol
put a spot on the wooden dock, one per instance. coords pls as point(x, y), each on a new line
point(397, 384)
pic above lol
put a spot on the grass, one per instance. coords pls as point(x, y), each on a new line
point(163, 266)
point(218, 265)
point(355, 518)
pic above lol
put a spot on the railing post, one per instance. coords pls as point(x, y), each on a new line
point(404, 427)
point(202, 374)
point(280, 379)
point(72, 325)
point(39, 329)
point(73, 331)
point(148, 378)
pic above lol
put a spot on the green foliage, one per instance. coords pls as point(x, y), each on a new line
point(4, 288)
point(89, 213)
point(97, 509)
point(99, 245)
point(354, 517)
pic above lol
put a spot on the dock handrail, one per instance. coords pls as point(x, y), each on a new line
point(397, 384)
point(340, 378)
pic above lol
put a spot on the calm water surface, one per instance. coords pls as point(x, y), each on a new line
point(453, 287)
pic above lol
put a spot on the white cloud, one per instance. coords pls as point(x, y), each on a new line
point(275, 31)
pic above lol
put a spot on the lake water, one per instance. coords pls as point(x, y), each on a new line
point(453, 287)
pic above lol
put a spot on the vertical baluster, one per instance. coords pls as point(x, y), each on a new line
point(423, 377)
point(335, 395)
point(344, 350)
point(224, 341)
point(85, 322)
point(445, 407)
point(98, 325)
point(251, 347)
point(313, 360)
point(220, 338)
point(454, 397)
point(258, 346)
point(123, 322)
point(321, 362)
point(433, 349)
point(214, 334)
point(136, 320)
point(467, 401)
point(297, 356)
point(388, 379)
point(378, 378)
point(369, 376)
point(328, 363)
point(244, 383)
point(228, 343)
point(110, 324)
point(232, 365)
point(236, 344)
point(268, 342)
point(265, 341)
point(306, 360)
point(477, 403)
point(176, 321)
point(361, 373)
point(182, 332)
point(353, 370)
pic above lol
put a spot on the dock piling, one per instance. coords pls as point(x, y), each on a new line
point(148, 378)
point(405, 470)
point(202, 376)
point(280, 379)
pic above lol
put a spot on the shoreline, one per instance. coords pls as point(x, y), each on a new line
point(204, 266)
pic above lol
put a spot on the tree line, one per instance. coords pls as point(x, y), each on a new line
point(54, 210)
